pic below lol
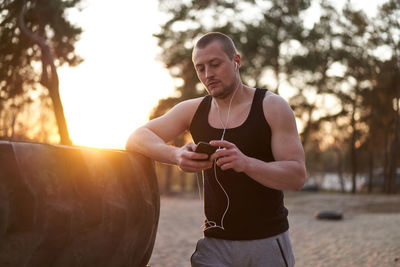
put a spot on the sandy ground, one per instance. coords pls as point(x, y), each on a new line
point(368, 235)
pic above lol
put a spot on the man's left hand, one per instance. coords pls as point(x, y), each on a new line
point(229, 156)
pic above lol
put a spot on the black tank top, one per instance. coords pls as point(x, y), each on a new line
point(255, 211)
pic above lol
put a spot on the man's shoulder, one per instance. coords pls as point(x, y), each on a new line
point(186, 109)
point(193, 101)
point(276, 108)
point(274, 102)
point(190, 103)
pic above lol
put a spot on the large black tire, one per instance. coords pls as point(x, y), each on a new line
point(68, 206)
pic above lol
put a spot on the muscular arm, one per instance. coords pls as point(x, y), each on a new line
point(288, 171)
point(151, 139)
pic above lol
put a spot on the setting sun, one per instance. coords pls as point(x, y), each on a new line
point(112, 92)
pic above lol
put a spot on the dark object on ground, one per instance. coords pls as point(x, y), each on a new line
point(310, 188)
point(328, 215)
point(69, 206)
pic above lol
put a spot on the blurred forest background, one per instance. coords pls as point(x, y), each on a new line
point(340, 74)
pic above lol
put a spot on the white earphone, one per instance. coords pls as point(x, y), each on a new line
point(236, 65)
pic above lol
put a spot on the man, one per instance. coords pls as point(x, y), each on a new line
point(259, 155)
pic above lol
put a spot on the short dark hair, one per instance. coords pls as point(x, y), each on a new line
point(226, 42)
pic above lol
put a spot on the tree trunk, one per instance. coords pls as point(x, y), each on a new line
point(60, 117)
point(49, 79)
point(277, 70)
point(393, 154)
point(14, 118)
point(370, 168)
point(353, 151)
point(386, 162)
point(340, 170)
point(307, 129)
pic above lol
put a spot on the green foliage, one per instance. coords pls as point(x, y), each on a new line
point(18, 54)
point(21, 58)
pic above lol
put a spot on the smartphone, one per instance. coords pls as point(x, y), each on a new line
point(205, 148)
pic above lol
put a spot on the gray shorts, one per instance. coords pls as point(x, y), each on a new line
point(274, 251)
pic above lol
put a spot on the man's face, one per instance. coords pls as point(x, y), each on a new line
point(214, 69)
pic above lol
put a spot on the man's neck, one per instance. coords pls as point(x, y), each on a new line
point(238, 95)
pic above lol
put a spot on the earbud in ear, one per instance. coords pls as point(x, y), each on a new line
point(236, 65)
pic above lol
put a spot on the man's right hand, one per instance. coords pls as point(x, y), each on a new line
point(190, 161)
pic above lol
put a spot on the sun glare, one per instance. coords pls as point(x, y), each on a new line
point(113, 91)
point(102, 113)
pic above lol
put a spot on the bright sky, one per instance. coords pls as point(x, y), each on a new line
point(112, 92)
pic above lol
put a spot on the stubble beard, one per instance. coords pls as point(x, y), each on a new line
point(225, 92)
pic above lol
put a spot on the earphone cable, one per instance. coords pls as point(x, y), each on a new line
point(211, 224)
